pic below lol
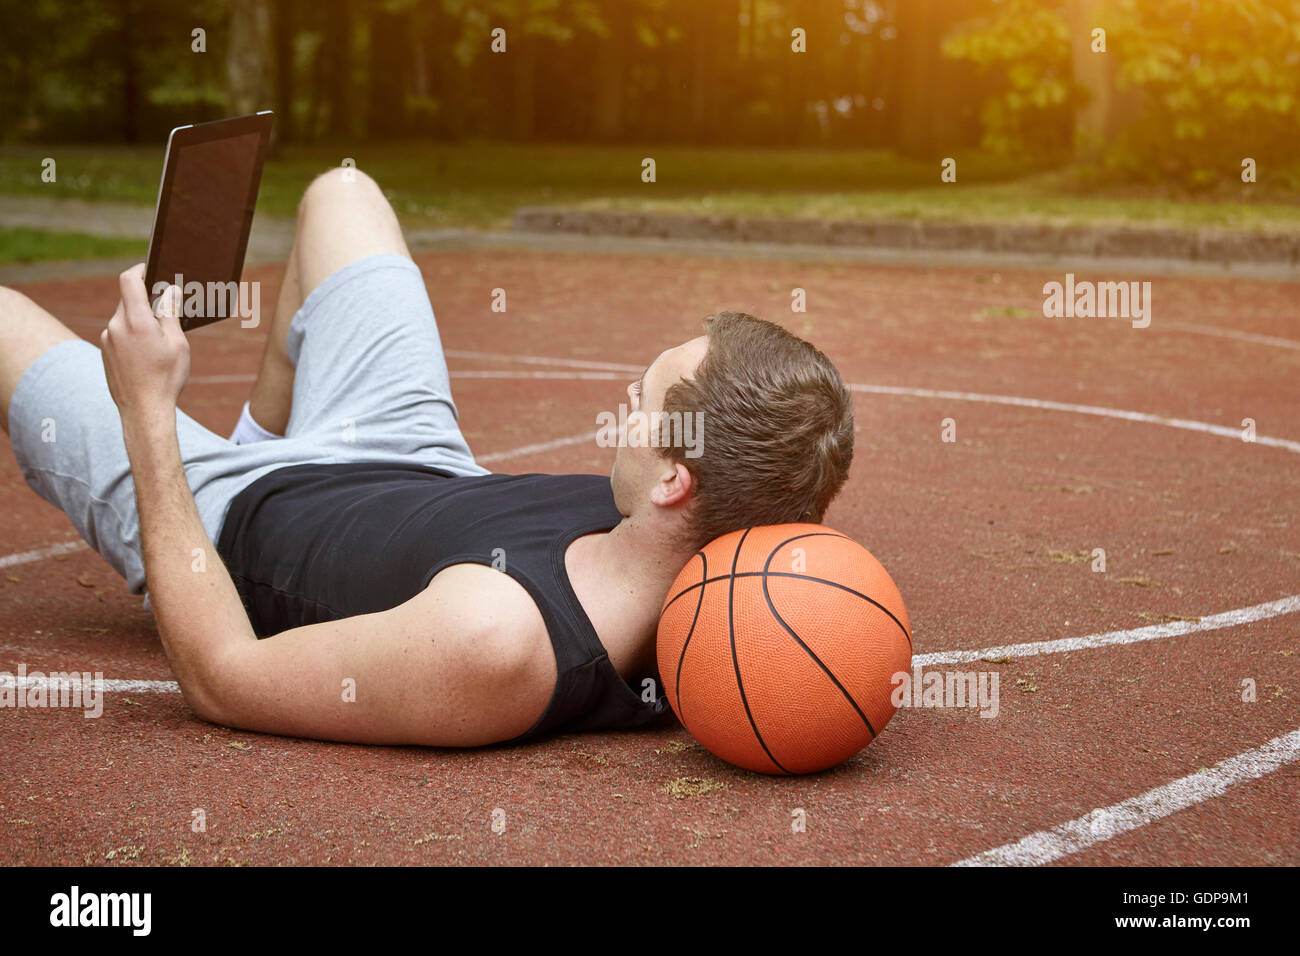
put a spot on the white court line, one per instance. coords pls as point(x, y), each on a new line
point(463, 373)
point(539, 447)
point(1233, 334)
point(67, 547)
point(1120, 414)
point(564, 376)
point(8, 680)
point(543, 360)
point(169, 686)
point(1104, 823)
point(1185, 423)
point(1258, 612)
point(1150, 632)
point(40, 554)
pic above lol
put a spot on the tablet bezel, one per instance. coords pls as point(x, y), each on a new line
point(193, 134)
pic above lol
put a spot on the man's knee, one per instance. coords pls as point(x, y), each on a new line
point(343, 217)
point(26, 332)
point(11, 299)
point(340, 185)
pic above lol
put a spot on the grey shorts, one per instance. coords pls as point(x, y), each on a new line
point(371, 385)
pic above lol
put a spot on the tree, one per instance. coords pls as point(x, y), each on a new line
point(928, 87)
point(1092, 75)
point(249, 79)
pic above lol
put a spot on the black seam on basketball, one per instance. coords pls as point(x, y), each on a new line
point(677, 687)
point(804, 577)
point(831, 534)
point(789, 630)
point(735, 661)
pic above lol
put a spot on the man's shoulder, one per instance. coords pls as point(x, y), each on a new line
point(485, 601)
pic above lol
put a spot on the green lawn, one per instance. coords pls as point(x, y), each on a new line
point(36, 245)
point(480, 185)
point(1033, 199)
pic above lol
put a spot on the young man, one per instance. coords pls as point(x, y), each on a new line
point(414, 597)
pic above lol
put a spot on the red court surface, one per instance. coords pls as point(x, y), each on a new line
point(990, 540)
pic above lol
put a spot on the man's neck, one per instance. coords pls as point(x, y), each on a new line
point(622, 578)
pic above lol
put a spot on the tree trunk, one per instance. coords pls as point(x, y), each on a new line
point(609, 76)
point(248, 57)
point(284, 25)
point(716, 42)
point(130, 72)
point(389, 68)
point(338, 70)
point(928, 87)
point(524, 61)
point(1092, 71)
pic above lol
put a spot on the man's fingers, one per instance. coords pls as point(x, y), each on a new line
point(169, 309)
point(135, 297)
point(169, 312)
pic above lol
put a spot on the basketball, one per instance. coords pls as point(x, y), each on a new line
point(777, 646)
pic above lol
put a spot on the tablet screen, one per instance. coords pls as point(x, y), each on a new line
point(202, 231)
point(205, 210)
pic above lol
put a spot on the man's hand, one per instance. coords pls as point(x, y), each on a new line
point(146, 359)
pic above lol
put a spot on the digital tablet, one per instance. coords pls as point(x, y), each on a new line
point(204, 214)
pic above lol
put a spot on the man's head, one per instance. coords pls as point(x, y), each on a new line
point(775, 439)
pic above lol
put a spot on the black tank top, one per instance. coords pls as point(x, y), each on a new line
point(310, 543)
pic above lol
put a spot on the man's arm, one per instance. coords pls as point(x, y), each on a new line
point(199, 613)
point(435, 670)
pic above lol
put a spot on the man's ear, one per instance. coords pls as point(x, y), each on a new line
point(674, 486)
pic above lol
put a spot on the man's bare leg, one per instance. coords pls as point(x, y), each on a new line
point(26, 331)
point(343, 217)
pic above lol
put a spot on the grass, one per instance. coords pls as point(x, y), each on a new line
point(1033, 200)
point(22, 244)
point(480, 185)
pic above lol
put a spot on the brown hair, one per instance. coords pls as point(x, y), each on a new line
point(777, 428)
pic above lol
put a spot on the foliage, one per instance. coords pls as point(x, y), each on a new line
point(1219, 80)
point(1028, 45)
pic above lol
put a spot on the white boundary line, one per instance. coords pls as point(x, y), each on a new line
point(1246, 615)
point(1286, 605)
point(1150, 632)
point(1095, 410)
point(539, 447)
point(8, 680)
point(572, 374)
point(1118, 413)
point(607, 371)
point(568, 376)
point(1104, 823)
point(40, 554)
point(170, 686)
point(544, 360)
point(1270, 340)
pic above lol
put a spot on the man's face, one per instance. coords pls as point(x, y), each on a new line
point(638, 470)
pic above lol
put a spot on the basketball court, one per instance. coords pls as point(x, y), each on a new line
point(1147, 713)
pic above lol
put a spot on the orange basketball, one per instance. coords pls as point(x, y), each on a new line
point(777, 647)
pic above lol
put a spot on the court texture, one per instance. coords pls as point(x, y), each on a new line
point(1104, 517)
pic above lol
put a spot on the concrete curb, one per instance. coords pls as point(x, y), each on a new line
point(1206, 245)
